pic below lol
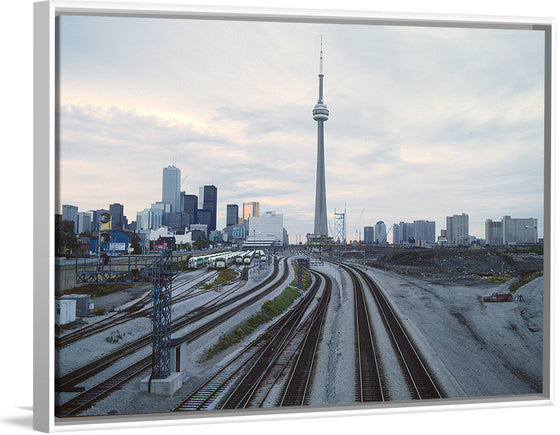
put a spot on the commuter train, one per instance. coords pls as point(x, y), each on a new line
point(243, 257)
point(222, 260)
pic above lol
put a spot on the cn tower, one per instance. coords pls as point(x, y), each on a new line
point(320, 114)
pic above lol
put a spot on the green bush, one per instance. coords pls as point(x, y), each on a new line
point(526, 279)
point(99, 311)
point(269, 310)
point(223, 277)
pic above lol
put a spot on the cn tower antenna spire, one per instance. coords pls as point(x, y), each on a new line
point(321, 59)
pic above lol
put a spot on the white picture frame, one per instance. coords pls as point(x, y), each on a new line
point(44, 194)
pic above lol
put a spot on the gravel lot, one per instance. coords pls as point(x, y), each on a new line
point(476, 348)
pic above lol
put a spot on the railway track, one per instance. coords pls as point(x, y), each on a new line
point(299, 382)
point(81, 401)
point(369, 386)
point(136, 310)
point(68, 382)
point(277, 369)
point(420, 382)
point(276, 357)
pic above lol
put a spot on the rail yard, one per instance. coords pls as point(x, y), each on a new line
point(357, 334)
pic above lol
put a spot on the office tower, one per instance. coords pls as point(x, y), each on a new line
point(267, 228)
point(232, 214)
point(189, 206)
point(250, 209)
point(171, 187)
point(368, 234)
point(204, 217)
point(70, 213)
point(83, 222)
point(210, 203)
point(165, 208)
point(238, 232)
point(380, 233)
point(116, 211)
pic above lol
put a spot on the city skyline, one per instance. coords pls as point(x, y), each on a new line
point(424, 123)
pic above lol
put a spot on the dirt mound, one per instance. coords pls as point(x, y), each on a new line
point(468, 262)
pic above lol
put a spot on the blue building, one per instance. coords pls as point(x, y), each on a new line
point(113, 241)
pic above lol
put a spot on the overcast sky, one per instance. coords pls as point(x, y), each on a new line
point(424, 122)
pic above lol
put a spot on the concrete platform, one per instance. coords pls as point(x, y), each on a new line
point(164, 387)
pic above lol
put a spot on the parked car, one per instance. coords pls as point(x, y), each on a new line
point(498, 297)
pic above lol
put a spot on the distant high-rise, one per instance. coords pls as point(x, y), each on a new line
point(204, 217)
point(403, 233)
point(425, 231)
point(232, 214)
point(83, 222)
point(116, 211)
point(494, 233)
point(70, 213)
point(458, 229)
point(520, 230)
point(171, 187)
point(251, 209)
point(189, 206)
point(320, 114)
point(368, 234)
point(511, 231)
point(380, 233)
point(210, 203)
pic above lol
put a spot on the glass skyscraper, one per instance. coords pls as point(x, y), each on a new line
point(171, 187)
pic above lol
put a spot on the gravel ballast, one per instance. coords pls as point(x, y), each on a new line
point(474, 349)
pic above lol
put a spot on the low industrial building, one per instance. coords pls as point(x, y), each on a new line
point(113, 241)
point(84, 305)
point(65, 311)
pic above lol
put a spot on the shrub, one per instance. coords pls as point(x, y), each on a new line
point(269, 310)
point(114, 337)
point(99, 311)
point(526, 279)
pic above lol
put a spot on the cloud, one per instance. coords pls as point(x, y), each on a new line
point(424, 123)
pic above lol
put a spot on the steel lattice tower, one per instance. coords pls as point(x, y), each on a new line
point(161, 316)
point(320, 114)
point(340, 227)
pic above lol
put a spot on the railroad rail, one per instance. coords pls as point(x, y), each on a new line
point(421, 383)
point(139, 309)
point(299, 383)
point(248, 379)
point(369, 386)
point(70, 380)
